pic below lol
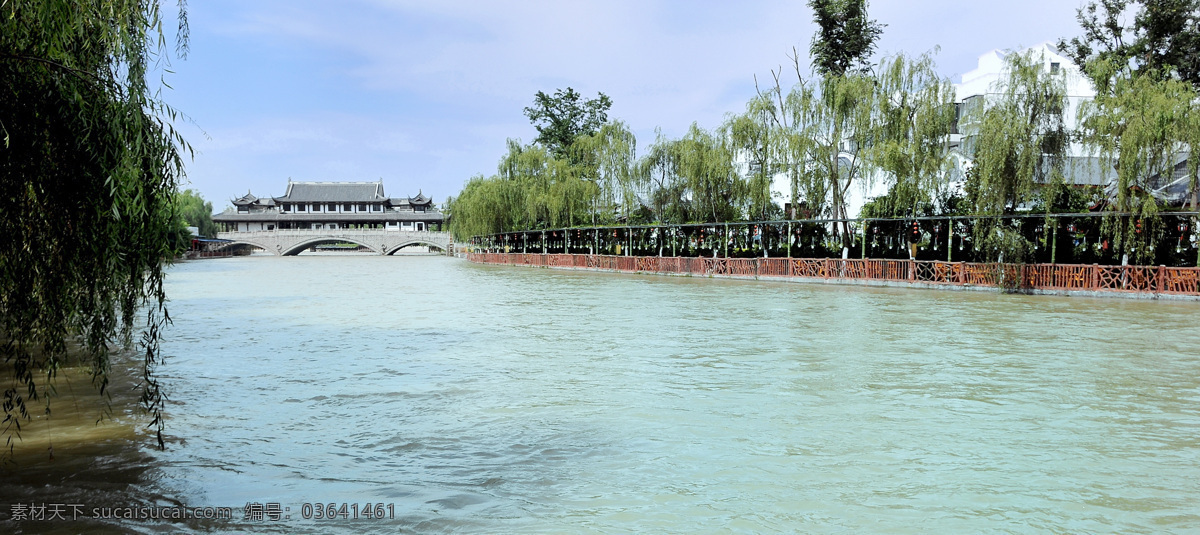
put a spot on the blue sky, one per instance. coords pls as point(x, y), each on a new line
point(424, 94)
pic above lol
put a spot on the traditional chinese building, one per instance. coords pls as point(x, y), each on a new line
point(331, 205)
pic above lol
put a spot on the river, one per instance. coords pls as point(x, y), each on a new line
point(470, 398)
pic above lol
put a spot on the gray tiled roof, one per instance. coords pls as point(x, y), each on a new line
point(369, 217)
point(419, 200)
point(333, 192)
point(248, 198)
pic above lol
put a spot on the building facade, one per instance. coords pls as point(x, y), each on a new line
point(331, 205)
point(981, 87)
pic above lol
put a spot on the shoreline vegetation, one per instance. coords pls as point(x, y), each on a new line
point(856, 121)
point(1049, 238)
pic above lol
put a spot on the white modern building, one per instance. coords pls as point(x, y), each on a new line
point(981, 85)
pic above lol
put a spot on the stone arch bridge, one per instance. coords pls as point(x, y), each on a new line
point(380, 241)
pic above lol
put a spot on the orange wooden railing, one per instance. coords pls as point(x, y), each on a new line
point(1135, 279)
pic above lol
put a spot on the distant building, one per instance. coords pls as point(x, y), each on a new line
point(331, 205)
point(979, 87)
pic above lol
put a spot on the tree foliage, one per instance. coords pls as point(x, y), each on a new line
point(1142, 126)
point(1018, 138)
point(712, 185)
point(1163, 37)
point(565, 116)
point(915, 117)
point(194, 211)
point(838, 132)
point(608, 157)
point(753, 141)
point(856, 123)
point(88, 170)
point(845, 37)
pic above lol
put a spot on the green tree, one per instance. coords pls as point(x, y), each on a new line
point(1143, 126)
point(1017, 139)
point(826, 127)
point(845, 37)
point(915, 117)
point(660, 171)
point(196, 212)
point(564, 116)
point(486, 206)
point(609, 156)
point(88, 170)
point(705, 163)
point(751, 136)
point(1164, 37)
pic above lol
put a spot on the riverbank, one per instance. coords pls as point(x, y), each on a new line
point(79, 416)
point(1137, 282)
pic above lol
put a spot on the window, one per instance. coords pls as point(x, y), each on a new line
point(362, 207)
point(285, 207)
point(419, 208)
point(243, 209)
point(346, 207)
point(1054, 68)
point(316, 207)
point(331, 207)
point(376, 207)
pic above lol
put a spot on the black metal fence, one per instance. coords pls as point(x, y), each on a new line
point(1052, 238)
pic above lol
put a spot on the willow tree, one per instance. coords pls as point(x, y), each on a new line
point(659, 169)
point(89, 165)
point(705, 163)
point(1162, 37)
point(915, 117)
point(528, 168)
point(751, 134)
point(194, 211)
point(1019, 139)
point(791, 114)
point(841, 134)
point(610, 156)
point(824, 130)
point(1142, 125)
point(486, 206)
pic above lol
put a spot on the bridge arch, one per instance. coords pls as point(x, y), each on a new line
point(428, 243)
point(275, 250)
point(299, 247)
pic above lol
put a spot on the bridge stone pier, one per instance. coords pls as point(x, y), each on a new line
point(380, 241)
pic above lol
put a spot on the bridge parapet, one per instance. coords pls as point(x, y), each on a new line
point(289, 242)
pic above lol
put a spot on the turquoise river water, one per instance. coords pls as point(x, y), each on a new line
point(471, 398)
